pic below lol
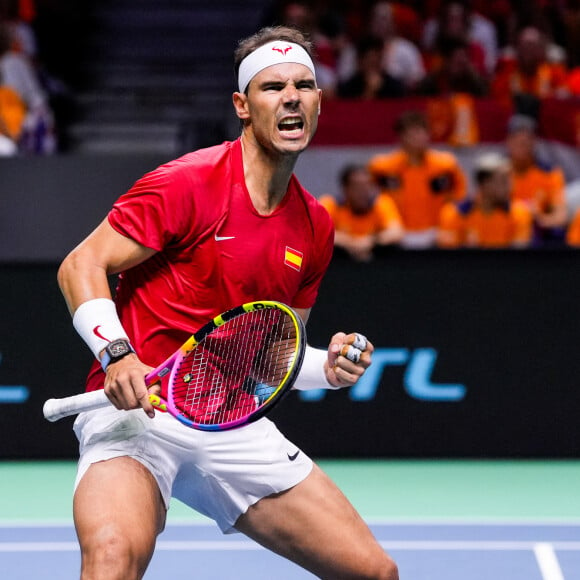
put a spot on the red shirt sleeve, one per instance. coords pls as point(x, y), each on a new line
point(157, 211)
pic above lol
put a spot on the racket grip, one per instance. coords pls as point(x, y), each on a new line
point(55, 409)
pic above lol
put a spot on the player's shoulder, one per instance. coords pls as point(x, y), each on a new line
point(197, 181)
point(198, 163)
point(197, 178)
point(318, 214)
point(315, 206)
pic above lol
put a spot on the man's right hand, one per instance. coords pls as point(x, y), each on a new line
point(125, 384)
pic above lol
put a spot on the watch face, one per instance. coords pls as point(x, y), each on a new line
point(118, 348)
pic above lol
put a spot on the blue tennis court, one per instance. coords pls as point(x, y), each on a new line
point(440, 520)
point(451, 551)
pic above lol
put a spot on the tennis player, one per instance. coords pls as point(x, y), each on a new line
point(204, 233)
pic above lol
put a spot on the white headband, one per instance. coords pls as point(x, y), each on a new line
point(277, 52)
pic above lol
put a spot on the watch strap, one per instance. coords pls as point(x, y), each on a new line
point(107, 358)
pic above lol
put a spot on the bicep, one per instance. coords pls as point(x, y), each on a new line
point(113, 251)
point(83, 275)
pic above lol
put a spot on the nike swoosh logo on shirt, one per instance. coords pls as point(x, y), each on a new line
point(293, 457)
point(222, 238)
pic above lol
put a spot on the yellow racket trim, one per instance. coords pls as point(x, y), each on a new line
point(261, 305)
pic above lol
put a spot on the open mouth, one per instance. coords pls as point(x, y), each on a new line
point(291, 124)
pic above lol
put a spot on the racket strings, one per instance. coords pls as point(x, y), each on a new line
point(237, 368)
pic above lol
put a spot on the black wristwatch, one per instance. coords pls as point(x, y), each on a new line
point(115, 351)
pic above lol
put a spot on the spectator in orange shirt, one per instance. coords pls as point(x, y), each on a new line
point(364, 219)
point(529, 77)
point(419, 179)
point(35, 131)
point(490, 220)
point(573, 233)
point(12, 114)
point(536, 182)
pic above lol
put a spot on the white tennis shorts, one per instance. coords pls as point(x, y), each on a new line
point(220, 473)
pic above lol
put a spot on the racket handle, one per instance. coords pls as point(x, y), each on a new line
point(55, 409)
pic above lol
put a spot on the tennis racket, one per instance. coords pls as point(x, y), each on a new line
point(231, 372)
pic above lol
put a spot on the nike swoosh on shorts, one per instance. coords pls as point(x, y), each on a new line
point(294, 456)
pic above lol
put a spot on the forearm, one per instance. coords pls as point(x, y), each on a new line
point(85, 287)
point(83, 279)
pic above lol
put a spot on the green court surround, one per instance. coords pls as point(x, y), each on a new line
point(380, 490)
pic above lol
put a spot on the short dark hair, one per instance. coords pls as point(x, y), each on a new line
point(348, 170)
point(410, 119)
point(269, 34)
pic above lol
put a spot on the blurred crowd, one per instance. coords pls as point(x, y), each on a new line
point(27, 124)
point(416, 196)
point(518, 50)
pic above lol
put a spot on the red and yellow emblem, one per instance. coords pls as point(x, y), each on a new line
point(293, 258)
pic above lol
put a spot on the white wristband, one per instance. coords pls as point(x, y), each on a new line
point(97, 322)
point(312, 375)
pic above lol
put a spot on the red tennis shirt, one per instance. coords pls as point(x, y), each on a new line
point(214, 250)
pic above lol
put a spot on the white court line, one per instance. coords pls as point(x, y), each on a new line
point(548, 562)
point(484, 522)
point(200, 546)
point(245, 545)
point(411, 522)
point(39, 547)
point(460, 546)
